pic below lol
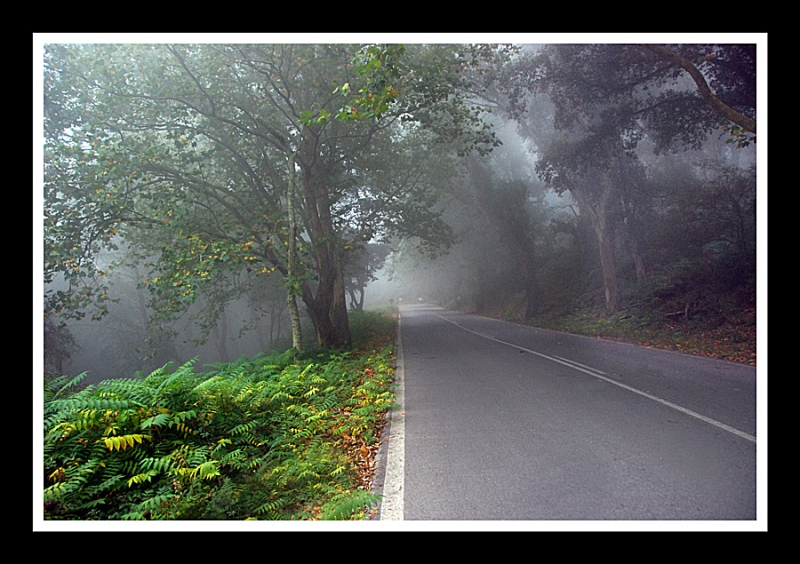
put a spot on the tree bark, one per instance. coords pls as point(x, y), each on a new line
point(599, 213)
point(292, 281)
point(327, 308)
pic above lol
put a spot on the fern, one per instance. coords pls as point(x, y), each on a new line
point(124, 441)
point(158, 420)
point(271, 509)
point(143, 477)
point(158, 465)
point(64, 383)
point(253, 438)
point(348, 505)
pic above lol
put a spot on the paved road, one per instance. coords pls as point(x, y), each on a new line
point(500, 421)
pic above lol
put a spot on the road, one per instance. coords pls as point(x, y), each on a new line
point(500, 421)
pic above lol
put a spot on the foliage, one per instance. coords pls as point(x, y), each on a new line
point(59, 344)
point(734, 340)
point(360, 269)
point(631, 88)
point(273, 437)
point(187, 153)
point(605, 102)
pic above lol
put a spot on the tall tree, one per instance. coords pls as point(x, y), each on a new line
point(605, 100)
point(193, 153)
point(731, 71)
point(507, 203)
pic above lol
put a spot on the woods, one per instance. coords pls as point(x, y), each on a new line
point(250, 199)
point(211, 159)
point(215, 165)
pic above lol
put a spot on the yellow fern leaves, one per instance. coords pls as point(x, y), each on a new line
point(124, 441)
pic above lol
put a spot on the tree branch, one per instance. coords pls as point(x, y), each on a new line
point(722, 109)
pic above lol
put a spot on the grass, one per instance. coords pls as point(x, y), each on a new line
point(734, 339)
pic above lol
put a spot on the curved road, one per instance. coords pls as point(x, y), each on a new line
point(501, 421)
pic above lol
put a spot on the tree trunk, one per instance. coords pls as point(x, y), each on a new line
point(526, 267)
point(221, 337)
point(356, 298)
point(609, 265)
point(599, 213)
point(531, 299)
point(292, 280)
point(328, 307)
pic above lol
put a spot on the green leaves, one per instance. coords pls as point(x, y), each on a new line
point(380, 68)
point(347, 505)
point(182, 155)
point(307, 118)
point(261, 438)
point(157, 420)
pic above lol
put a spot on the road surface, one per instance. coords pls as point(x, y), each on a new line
point(500, 421)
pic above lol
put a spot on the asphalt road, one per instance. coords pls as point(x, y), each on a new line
point(500, 421)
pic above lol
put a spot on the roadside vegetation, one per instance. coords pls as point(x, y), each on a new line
point(728, 335)
point(285, 436)
point(735, 341)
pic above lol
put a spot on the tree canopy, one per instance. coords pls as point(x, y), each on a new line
point(199, 159)
point(605, 99)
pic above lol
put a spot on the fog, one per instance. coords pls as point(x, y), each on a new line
point(529, 240)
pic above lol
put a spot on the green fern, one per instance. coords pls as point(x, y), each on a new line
point(63, 384)
point(349, 505)
point(250, 439)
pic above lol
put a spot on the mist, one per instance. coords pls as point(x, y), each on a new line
point(558, 216)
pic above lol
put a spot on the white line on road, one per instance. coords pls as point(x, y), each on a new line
point(392, 501)
point(598, 374)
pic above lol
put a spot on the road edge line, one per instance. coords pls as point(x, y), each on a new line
point(392, 508)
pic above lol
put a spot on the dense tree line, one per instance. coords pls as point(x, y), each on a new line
point(625, 173)
point(214, 159)
point(657, 186)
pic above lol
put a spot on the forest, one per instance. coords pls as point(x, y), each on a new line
point(221, 201)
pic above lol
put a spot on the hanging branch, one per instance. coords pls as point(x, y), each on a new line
point(720, 107)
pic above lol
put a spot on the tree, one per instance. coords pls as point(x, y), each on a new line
point(202, 157)
point(507, 203)
point(679, 94)
point(732, 69)
point(59, 344)
point(605, 100)
point(360, 268)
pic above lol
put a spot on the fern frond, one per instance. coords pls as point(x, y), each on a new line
point(79, 404)
point(124, 441)
point(235, 458)
point(206, 470)
point(183, 416)
point(158, 420)
point(208, 384)
point(271, 508)
point(243, 428)
point(71, 383)
point(348, 505)
point(143, 477)
point(155, 501)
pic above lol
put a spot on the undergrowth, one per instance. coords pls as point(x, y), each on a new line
point(287, 436)
point(733, 340)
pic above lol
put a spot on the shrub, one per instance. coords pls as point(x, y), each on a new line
point(274, 437)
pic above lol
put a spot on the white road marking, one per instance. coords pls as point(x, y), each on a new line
point(392, 501)
point(602, 375)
